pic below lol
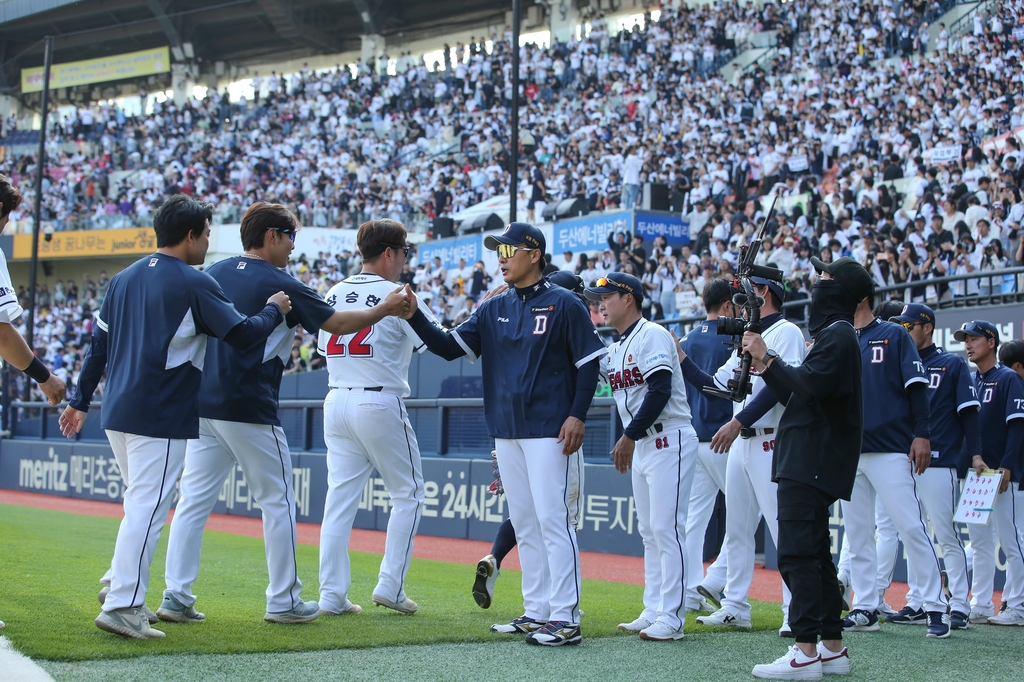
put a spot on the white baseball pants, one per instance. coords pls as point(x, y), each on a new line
point(887, 547)
point(708, 479)
point(749, 494)
point(367, 430)
point(537, 479)
point(261, 450)
point(889, 476)
point(939, 490)
point(662, 475)
point(1006, 524)
point(152, 465)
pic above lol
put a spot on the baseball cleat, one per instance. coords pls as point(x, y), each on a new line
point(702, 607)
point(102, 596)
point(979, 617)
point(659, 632)
point(834, 662)
point(793, 666)
point(407, 605)
point(1007, 617)
point(556, 633)
point(486, 575)
point(938, 625)
point(958, 620)
point(174, 611)
point(724, 618)
point(130, 622)
point(885, 611)
point(785, 630)
point(148, 612)
point(860, 620)
point(349, 610)
point(303, 613)
point(713, 598)
point(844, 589)
point(523, 625)
point(909, 616)
point(1002, 607)
point(635, 626)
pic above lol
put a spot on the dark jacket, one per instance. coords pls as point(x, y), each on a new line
point(821, 428)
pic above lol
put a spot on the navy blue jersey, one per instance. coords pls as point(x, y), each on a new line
point(709, 352)
point(890, 364)
point(243, 385)
point(1001, 393)
point(531, 350)
point(950, 392)
point(157, 315)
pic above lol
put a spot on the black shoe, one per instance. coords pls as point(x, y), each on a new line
point(959, 621)
point(909, 616)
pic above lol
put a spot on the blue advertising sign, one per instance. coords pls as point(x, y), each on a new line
point(589, 233)
point(650, 225)
point(451, 250)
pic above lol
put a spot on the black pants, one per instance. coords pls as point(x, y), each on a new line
point(805, 561)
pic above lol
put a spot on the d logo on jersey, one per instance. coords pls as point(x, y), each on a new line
point(627, 378)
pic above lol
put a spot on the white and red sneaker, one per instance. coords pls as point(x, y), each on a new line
point(793, 666)
point(834, 662)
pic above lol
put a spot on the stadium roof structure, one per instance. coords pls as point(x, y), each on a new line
point(237, 32)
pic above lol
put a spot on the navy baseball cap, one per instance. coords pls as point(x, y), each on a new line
point(567, 280)
point(776, 287)
point(515, 234)
point(915, 313)
point(615, 283)
point(977, 328)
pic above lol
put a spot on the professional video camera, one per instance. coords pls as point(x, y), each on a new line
point(739, 386)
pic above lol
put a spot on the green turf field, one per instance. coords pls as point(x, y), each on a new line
point(50, 562)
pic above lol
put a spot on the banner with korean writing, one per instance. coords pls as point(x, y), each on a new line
point(113, 68)
point(588, 233)
point(450, 251)
point(133, 241)
point(651, 225)
point(946, 153)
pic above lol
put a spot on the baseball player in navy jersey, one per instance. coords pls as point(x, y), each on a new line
point(895, 445)
point(489, 567)
point(13, 348)
point(540, 354)
point(366, 425)
point(150, 337)
point(238, 419)
point(707, 415)
point(657, 443)
point(1001, 392)
point(750, 492)
point(954, 431)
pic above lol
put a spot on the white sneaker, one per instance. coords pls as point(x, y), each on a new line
point(834, 662)
point(785, 631)
point(724, 618)
point(702, 607)
point(793, 666)
point(349, 609)
point(1007, 617)
point(660, 632)
point(636, 626)
point(885, 610)
point(979, 617)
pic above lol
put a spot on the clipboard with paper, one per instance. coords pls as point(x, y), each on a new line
point(977, 498)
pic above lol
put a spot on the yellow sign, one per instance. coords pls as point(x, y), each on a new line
point(134, 241)
point(114, 68)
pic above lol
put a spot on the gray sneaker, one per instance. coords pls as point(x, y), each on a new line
point(150, 616)
point(130, 622)
point(405, 606)
point(303, 613)
point(174, 611)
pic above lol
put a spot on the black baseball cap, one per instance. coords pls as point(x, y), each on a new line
point(915, 313)
point(567, 280)
point(515, 234)
point(615, 283)
point(850, 274)
point(977, 328)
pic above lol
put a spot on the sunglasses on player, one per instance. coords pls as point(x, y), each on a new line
point(287, 231)
point(508, 250)
point(909, 326)
point(404, 248)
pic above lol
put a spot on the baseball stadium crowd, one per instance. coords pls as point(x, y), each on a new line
point(843, 119)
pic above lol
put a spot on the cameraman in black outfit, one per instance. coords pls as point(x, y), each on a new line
point(815, 463)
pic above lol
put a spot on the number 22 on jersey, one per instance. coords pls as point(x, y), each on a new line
point(355, 346)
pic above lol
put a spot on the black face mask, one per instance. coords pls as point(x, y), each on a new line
point(830, 302)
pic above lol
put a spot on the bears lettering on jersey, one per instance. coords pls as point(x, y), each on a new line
point(627, 378)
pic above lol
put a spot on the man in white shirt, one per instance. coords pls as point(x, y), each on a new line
point(631, 168)
point(697, 218)
point(783, 257)
point(568, 262)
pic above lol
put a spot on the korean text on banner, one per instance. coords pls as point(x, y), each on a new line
point(113, 68)
point(651, 225)
point(589, 233)
point(947, 153)
point(133, 241)
point(450, 251)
